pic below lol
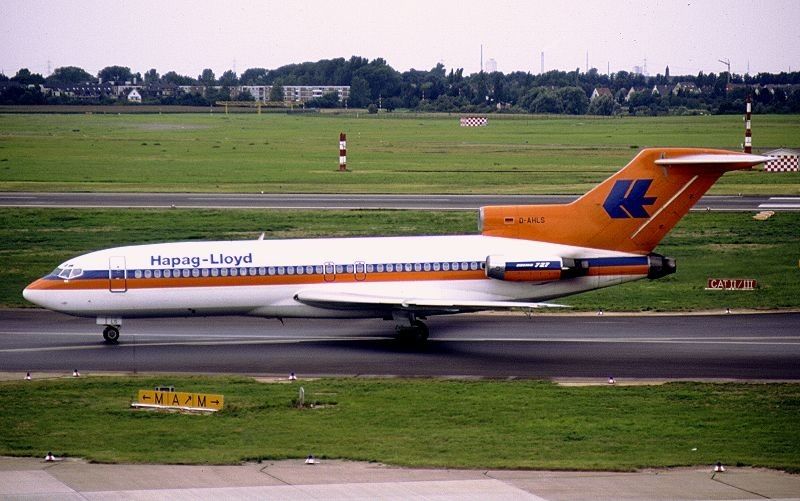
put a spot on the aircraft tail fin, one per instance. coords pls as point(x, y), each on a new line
point(632, 210)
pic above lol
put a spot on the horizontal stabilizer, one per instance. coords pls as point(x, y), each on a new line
point(351, 301)
point(741, 160)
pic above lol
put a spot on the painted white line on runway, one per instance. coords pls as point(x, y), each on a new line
point(785, 198)
point(233, 342)
point(779, 206)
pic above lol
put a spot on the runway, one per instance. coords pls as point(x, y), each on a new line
point(735, 346)
point(350, 201)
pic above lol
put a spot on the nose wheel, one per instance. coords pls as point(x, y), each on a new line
point(111, 333)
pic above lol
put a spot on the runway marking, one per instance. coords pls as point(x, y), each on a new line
point(779, 206)
point(240, 342)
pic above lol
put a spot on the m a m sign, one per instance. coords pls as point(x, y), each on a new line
point(179, 400)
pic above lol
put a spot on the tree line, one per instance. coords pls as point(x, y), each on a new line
point(376, 83)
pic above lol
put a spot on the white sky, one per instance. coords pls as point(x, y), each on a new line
point(187, 36)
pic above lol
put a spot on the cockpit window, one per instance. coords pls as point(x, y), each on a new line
point(68, 273)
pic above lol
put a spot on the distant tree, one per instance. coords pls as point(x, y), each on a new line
point(359, 93)
point(172, 77)
point(573, 100)
point(3, 78)
point(115, 74)
point(21, 94)
point(546, 101)
point(66, 75)
point(276, 92)
point(229, 79)
point(328, 100)
point(602, 105)
point(25, 77)
point(244, 96)
point(207, 77)
point(151, 77)
point(254, 76)
point(666, 74)
point(372, 109)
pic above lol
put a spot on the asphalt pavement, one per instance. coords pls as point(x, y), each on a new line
point(724, 346)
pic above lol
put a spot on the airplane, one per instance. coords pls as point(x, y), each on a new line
point(524, 256)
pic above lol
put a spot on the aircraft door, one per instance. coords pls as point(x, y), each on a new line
point(360, 271)
point(117, 274)
point(329, 272)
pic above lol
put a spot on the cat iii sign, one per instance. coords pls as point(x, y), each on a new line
point(731, 284)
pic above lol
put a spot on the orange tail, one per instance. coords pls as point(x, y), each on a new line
point(631, 211)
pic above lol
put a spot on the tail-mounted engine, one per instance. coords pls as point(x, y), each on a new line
point(556, 268)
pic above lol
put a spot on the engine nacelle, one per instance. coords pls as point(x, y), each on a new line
point(525, 270)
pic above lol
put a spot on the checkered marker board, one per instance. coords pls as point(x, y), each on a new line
point(782, 163)
point(474, 121)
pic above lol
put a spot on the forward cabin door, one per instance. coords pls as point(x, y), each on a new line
point(117, 274)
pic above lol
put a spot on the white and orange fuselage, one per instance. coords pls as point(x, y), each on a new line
point(523, 256)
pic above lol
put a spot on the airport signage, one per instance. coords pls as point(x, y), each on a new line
point(731, 284)
point(180, 400)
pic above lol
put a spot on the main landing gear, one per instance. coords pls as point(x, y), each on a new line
point(111, 333)
point(413, 332)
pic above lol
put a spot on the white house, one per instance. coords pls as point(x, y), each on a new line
point(134, 96)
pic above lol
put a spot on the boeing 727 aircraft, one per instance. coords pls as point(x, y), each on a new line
point(524, 255)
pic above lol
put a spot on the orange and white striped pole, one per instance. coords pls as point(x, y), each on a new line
point(342, 151)
point(748, 134)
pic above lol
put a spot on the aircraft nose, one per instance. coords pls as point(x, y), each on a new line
point(33, 294)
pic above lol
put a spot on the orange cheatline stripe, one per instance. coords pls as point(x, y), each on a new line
point(239, 281)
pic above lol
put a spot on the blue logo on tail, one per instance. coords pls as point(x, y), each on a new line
point(626, 201)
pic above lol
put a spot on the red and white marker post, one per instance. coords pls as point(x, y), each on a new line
point(342, 151)
point(748, 135)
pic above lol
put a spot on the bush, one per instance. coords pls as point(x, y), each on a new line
point(372, 109)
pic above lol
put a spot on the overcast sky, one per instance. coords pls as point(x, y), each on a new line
point(187, 36)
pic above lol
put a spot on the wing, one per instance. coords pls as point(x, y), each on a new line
point(352, 301)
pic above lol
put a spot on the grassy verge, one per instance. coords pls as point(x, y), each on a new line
point(719, 245)
point(391, 153)
point(483, 424)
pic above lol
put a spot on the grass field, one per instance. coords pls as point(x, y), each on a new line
point(437, 423)
point(389, 153)
point(719, 245)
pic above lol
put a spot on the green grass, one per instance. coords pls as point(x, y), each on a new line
point(391, 153)
point(437, 423)
point(719, 245)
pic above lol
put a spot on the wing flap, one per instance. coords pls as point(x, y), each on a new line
point(352, 301)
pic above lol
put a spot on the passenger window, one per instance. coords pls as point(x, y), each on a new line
point(224, 272)
point(339, 268)
point(252, 272)
point(281, 270)
point(408, 267)
point(185, 273)
point(214, 272)
point(300, 270)
point(271, 270)
point(426, 266)
point(436, 266)
point(167, 273)
point(446, 266)
point(137, 274)
point(318, 269)
point(290, 270)
point(233, 272)
point(379, 268)
point(243, 272)
point(148, 273)
point(204, 272)
point(262, 271)
point(370, 268)
point(349, 268)
point(309, 270)
point(195, 272)
point(157, 273)
point(473, 266)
